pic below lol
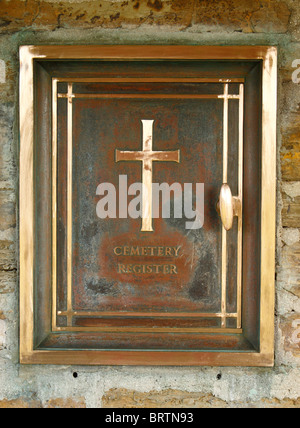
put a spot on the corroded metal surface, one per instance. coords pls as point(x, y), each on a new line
point(117, 266)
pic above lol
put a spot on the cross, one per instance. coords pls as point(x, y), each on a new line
point(147, 156)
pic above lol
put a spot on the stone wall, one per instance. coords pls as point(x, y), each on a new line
point(225, 22)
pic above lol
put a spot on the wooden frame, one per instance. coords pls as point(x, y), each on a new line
point(262, 353)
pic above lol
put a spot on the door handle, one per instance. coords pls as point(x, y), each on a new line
point(228, 206)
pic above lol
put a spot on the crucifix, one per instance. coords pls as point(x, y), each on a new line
point(147, 156)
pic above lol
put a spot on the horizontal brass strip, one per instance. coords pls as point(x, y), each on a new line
point(149, 96)
point(148, 80)
point(150, 330)
point(146, 314)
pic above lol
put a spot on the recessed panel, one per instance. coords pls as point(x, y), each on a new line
point(143, 206)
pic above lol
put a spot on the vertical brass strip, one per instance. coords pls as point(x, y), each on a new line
point(54, 201)
point(268, 203)
point(224, 232)
point(26, 204)
point(224, 276)
point(225, 134)
point(240, 216)
point(69, 202)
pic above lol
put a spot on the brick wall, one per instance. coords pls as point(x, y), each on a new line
point(157, 22)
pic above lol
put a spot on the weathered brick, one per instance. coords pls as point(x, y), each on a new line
point(289, 273)
point(290, 148)
point(286, 403)
point(290, 236)
point(290, 329)
point(290, 211)
point(18, 14)
point(238, 15)
point(66, 403)
point(170, 398)
point(56, 403)
point(7, 164)
point(8, 281)
point(294, 24)
point(7, 256)
point(290, 156)
point(2, 334)
point(7, 210)
point(7, 230)
point(15, 14)
point(271, 16)
point(244, 15)
point(290, 117)
point(290, 204)
point(290, 163)
point(20, 403)
point(8, 88)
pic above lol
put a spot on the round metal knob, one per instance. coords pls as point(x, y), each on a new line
point(229, 206)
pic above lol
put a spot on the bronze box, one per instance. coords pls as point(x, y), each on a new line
point(147, 289)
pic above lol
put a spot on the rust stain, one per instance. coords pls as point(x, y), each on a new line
point(156, 5)
point(291, 156)
point(115, 17)
point(95, 19)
